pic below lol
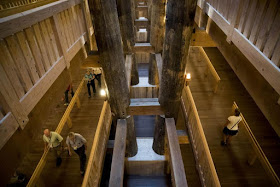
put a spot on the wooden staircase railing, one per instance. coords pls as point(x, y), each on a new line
point(205, 164)
point(258, 150)
point(65, 118)
point(174, 155)
point(95, 162)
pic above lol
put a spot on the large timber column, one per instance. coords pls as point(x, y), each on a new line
point(127, 24)
point(179, 26)
point(157, 24)
point(109, 43)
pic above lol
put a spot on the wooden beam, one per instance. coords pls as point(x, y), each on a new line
point(8, 126)
point(159, 66)
point(143, 47)
point(117, 167)
point(14, 23)
point(142, 8)
point(263, 64)
point(142, 22)
point(33, 96)
point(176, 161)
point(128, 66)
point(145, 106)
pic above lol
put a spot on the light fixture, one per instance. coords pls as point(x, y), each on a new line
point(188, 78)
point(102, 92)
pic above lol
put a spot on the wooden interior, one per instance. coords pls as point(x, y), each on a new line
point(234, 61)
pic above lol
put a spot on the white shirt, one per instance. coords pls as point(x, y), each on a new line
point(233, 122)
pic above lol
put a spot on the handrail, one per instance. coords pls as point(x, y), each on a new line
point(212, 69)
point(91, 166)
point(189, 122)
point(257, 148)
point(176, 161)
point(65, 117)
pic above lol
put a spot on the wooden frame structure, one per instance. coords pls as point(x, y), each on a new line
point(204, 161)
point(35, 47)
point(65, 118)
point(253, 31)
point(257, 149)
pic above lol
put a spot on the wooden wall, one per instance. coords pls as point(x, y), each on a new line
point(259, 88)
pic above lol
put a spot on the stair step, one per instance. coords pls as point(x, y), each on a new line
point(143, 47)
point(145, 106)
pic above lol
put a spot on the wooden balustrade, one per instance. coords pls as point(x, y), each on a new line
point(253, 26)
point(117, 167)
point(35, 47)
point(97, 154)
point(65, 118)
point(175, 156)
point(205, 165)
point(257, 149)
point(211, 69)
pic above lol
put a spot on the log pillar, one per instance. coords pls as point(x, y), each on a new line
point(178, 32)
point(159, 134)
point(112, 59)
point(153, 70)
point(157, 24)
point(131, 146)
point(179, 27)
point(134, 72)
point(127, 24)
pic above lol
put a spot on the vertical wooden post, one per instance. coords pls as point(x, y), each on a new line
point(179, 27)
point(153, 70)
point(159, 134)
point(126, 24)
point(236, 13)
point(69, 122)
point(157, 24)
point(88, 22)
point(78, 102)
point(134, 71)
point(112, 58)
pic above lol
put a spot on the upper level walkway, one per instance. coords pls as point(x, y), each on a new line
point(84, 122)
point(214, 108)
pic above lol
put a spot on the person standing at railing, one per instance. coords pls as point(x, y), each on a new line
point(54, 141)
point(98, 72)
point(69, 88)
point(79, 145)
point(89, 77)
point(231, 127)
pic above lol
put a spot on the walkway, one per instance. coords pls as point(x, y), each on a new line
point(231, 161)
point(84, 121)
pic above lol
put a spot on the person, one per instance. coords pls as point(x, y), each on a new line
point(54, 141)
point(89, 77)
point(79, 145)
point(98, 72)
point(231, 127)
point(66, 94)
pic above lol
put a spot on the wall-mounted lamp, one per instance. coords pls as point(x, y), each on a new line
point(188, 78)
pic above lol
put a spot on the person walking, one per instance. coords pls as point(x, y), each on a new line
point(98, 73)
point(231, 127)
point(89, 77)
point(54, 141)
point(79, 145)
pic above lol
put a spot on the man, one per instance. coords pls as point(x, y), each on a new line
point(97, 72)
point(79, 145)
point(69, 88)
point(231, 127)
point(89, 77)
point(54, 141)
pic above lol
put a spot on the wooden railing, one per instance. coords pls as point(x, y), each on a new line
point(65, 118)
point(35, 47)
point(211, 69)
point(257, 149)
point(205, 165)
point(117, 167)
point(253, 26)
point(174, 155)
point(95, 162)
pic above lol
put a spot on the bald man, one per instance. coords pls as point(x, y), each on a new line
point(54, 141)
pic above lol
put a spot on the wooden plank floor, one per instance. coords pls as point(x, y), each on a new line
point(84, 122)
point(213, 109)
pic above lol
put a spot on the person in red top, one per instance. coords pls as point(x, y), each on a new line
point(69, 88)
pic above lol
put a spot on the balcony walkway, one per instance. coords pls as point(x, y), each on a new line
point(231, 161)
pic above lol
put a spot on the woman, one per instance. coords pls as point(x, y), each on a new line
point(231, 127)
point(89, 77)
